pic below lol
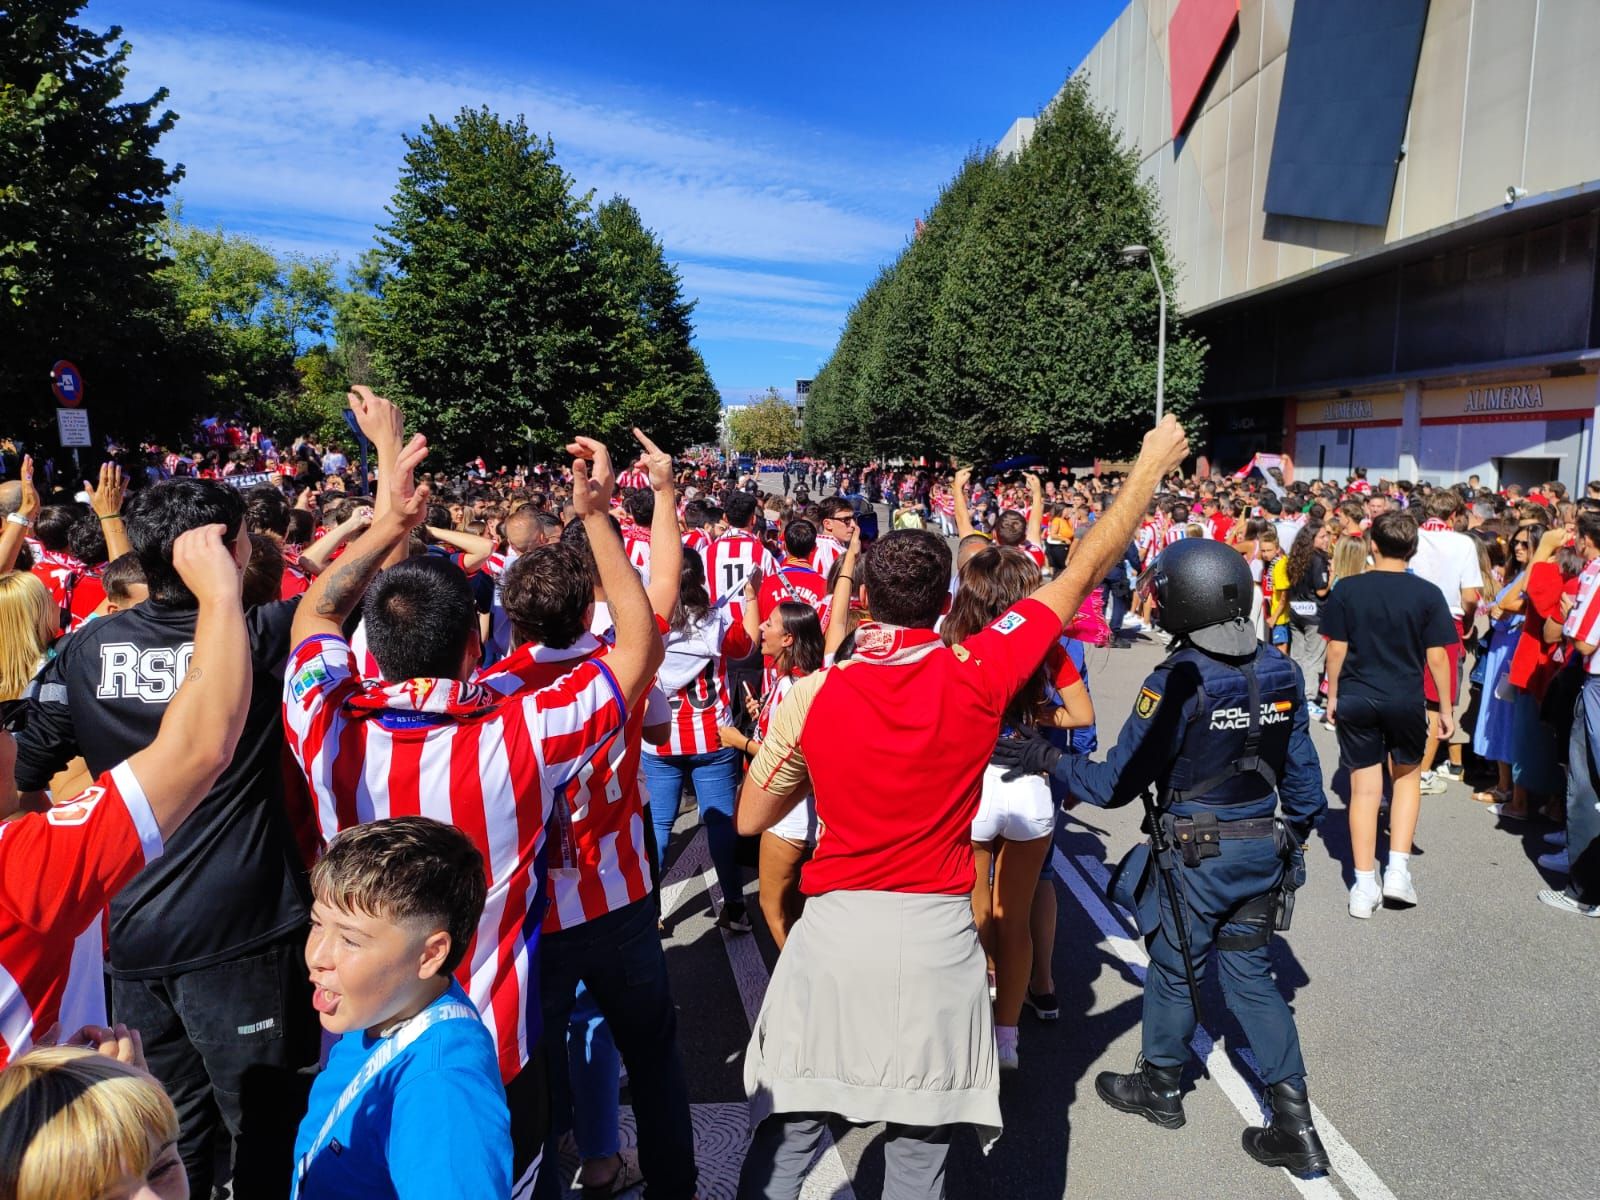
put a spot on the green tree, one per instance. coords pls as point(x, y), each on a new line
point(654, 376)
point(1010, 324)
point(81, 192)
point(767, 426)
point(257, 309)
point(492, 318)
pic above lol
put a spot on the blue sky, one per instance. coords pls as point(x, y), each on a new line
point(781, 151)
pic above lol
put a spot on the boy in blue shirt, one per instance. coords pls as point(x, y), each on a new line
point(396, 903)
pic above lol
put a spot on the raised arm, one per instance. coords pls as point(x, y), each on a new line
point(201, 727)
point(1164, 448)
point(963, 516)
point(106, 500)
point(1035, 510)
point(639, 649)
point(12, 533)
point(314, 558)
point(475, 549)
point(666, 546)
point(382, 424)
point(844, 587)
point(338, 590)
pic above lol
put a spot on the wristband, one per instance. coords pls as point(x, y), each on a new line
point(842, 575)
point(116, 516)
point(17, 518)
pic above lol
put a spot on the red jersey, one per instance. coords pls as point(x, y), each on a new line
point(636, 543)
point(633, 479)
point(59, 572)
point(596, 857)
point(792, 581)
point(930, 714)
point(58, 871)
point(460, 753)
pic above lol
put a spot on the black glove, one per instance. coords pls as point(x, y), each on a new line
point(1026, 752)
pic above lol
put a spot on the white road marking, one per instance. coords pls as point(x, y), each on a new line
point(1244, 1094)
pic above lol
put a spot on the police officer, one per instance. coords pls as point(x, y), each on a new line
point(1220, 730)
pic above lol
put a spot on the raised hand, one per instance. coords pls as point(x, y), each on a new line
point(206, 565)
point(407, 497)
point(1165, 446)
point(30, 504)
point(593, 481)
point(106, 496)
point(657, 462)
point(379, 420)
point(963, 477)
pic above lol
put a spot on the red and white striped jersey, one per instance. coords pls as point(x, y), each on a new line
point(58, 871)
point(460, 753)
point(1034, 552)
point(698, 540)
point(695, 679)
point(596, 854)
point(829, 551)
point(1584, 619)
point(729, 562)
point(633, 479)
point(636, 542)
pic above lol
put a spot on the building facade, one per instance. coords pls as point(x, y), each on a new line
point(1384, 216)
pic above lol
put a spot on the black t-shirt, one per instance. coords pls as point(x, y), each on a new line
point(1305, 605)
point(1390, 620)
point(230, 878)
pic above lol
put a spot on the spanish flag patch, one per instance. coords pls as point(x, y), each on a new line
point(1145, 706)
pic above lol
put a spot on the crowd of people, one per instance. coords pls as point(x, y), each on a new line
point(336, 804)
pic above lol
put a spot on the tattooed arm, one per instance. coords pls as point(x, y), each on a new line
point(338, 590)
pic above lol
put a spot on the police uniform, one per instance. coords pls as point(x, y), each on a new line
point(1190, 737)
point(1220, 732)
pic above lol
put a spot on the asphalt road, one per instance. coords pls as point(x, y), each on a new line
point(1451, 1048)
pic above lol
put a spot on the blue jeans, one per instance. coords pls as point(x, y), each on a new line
point(593, 1069)
point(619, 959)
point(1583, 795)
point(716, 782)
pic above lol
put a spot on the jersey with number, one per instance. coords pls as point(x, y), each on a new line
point(729, 562)
point(596, 853)
point(636, 543)
point(695, 679)
point(460, 753)
point(58, 871)
point(59, 572)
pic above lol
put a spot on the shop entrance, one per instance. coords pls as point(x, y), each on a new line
point(1526, 472)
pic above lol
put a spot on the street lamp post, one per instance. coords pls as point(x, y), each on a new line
point(1134, 254)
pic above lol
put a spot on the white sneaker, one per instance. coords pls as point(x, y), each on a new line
point(1432, 783)
point(1008, 1058)
point(1564, 902)
point(1397, 886)
point(1364, 903)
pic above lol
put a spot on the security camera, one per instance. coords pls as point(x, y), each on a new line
point(1514, 193)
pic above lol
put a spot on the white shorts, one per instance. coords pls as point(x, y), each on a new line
point(799, 824)
point(1019, 811)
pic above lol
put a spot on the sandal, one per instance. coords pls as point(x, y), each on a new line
point(627, 1178)
point(1503, 811)
point(1492, 796)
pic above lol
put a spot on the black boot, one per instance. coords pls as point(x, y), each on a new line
point(1151, 1091)
point(1289, 1140)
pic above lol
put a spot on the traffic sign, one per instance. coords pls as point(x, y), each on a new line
point(66, 381)
point(73, 426)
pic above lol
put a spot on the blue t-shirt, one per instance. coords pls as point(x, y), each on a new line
point(432, 1124)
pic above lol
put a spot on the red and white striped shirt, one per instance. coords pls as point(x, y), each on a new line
point(729, 562)
point(829, 551)
point(633, 479)
point(636, 543)
point(460, 753)
point(58, 871)
point(596, 857)
point(1583, 622)
point(695, 679)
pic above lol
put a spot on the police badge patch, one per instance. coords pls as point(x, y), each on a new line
point(1145, 707)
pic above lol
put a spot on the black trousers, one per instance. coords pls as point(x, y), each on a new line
point(234, 1044)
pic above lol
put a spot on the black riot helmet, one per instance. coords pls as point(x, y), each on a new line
point(1203, 590)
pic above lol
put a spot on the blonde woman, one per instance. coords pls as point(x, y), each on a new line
point(82, 1126)
point(30, 623)
point(1350, 555)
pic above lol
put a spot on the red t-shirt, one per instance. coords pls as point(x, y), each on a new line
point(895, 741)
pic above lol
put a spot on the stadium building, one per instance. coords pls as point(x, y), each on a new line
point(1384, 219)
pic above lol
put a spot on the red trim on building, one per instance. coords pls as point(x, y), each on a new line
point(1195, 36)
point(1531, 414)
point(1387, 424)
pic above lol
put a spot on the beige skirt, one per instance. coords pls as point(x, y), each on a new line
point(879, 1011)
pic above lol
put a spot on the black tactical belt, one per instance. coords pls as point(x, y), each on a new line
point(1253, 827)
